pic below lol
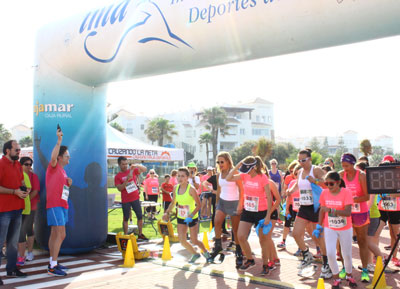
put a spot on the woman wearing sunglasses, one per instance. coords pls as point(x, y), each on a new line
point(356, 183)
point(307, 215)
point(188, 203)
point(335, 218)
point(257, 202)
point(229, 195)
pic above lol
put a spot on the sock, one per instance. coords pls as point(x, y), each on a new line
point(238, 250)
point(53, 264)
point(218, 242)
point(325, 259)
point(284, 240)
point(51, 259)
point(304, 252)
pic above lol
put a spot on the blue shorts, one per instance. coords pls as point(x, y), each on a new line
point(57, 216)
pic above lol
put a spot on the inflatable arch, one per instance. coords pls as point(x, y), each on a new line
point(76, 58)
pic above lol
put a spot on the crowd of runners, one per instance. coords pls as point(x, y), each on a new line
point(331, 207)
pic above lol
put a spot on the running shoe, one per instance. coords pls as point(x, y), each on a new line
point(142, 237)
point(16, 273)
point(1, 282)
point(206, 255)
point(30, 256)
point(342, 274)
point(307, 259)
point(355, 239)
point(281, 245)
point(247, 265)
point(326, 272)
point(20, 261)
point(370, 267)
point(336, 284)
point(277, 262)
point(396, 262)
point(271, 266)
point(297, 253)
point(56, 271)
point(352, 282)
point(265, 270)
point(319, 254)
point(61, 267)
point(239, 261)
point(194, 258)
point(365, 276)
point(231, 244)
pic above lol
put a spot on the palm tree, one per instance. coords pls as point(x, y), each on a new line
point(206, 138)
point(263, 148)
point(366, 147)
point(160, 129)
point(216, 122)
point(117, 126)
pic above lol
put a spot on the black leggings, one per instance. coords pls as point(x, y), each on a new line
point(152, 198)
point(27, 226)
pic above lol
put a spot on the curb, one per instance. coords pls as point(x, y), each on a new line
point(231, 275)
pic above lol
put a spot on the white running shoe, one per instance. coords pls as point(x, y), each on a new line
point(307, 259)
point(326, 272)
point(30, 256)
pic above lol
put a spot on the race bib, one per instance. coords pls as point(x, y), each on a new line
point(306, 198)
point(251, 204)
point(65, 193)
point(337, 222)
point(154, 190)
point(131, 187)
point(183, 211)
point(389, 203)
point(296, 204)
point(356, 208)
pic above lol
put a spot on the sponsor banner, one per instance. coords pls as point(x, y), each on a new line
point(146, 155)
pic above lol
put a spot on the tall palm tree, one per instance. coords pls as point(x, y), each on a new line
point(215, 119)
point(160, 129)
point(206, 138)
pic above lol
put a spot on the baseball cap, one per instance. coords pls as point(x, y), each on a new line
point(388, 158)
point(209, 168)
point(191, 165)
point(245, 168)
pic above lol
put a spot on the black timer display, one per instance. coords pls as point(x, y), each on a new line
point(383, 179)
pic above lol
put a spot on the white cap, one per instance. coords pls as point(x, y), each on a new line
point(210, 168)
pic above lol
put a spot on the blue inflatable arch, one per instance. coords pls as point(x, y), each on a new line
point(77, 57)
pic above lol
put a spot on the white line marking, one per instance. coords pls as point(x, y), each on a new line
point(83, 277)
point(45, 275)
point(46, 260)
point(37, 268)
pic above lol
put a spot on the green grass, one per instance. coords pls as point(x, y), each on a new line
point(115, 219)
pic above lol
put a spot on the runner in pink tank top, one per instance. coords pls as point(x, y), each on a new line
point(356, 182)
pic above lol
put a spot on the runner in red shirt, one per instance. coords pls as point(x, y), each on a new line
point(166, 189)
point(11, 204)
point(126, 182)
point(57, 193)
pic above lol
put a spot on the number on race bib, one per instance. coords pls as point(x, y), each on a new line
point(65, 193)
point(131, 187)
point(389, 203)
point(251, 204)
point(183, 211)
point(356, 208)
point(296, 204)
point(337, 222)
point(306, 198)
point(154, 190)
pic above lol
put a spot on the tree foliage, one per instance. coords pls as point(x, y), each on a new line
point(5, 135)
point(263, 148)
point(239, 153)
point(216, 120)
point(206, 139)
point(160, 130)
point(117, 126)
point(26, 142)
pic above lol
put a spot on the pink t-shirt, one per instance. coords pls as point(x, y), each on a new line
point(35, 186)
point(255, 199)
point(57, 190)
point(173, 181)
point(338, 202)
point(205, 188)
point(133, 194)
point(151, 186)
point(294, 197)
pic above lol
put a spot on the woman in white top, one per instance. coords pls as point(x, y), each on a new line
point(228, 203)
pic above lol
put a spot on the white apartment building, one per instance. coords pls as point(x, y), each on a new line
point(20, 131)
point(246, 121)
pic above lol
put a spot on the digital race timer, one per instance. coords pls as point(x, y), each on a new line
point(383, 179)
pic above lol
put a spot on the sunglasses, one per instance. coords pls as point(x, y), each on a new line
point(303, 160)
point(151, 173)
point(273, 163)
point(27, 164)
point(220, 162)
point(326, 163)
point(330, 184)
point(17, 150)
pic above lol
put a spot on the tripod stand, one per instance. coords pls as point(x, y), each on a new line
point(387, 260)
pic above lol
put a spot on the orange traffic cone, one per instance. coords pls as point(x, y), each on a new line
point(378, 269)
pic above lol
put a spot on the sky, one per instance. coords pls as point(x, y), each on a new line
point(318, 92)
